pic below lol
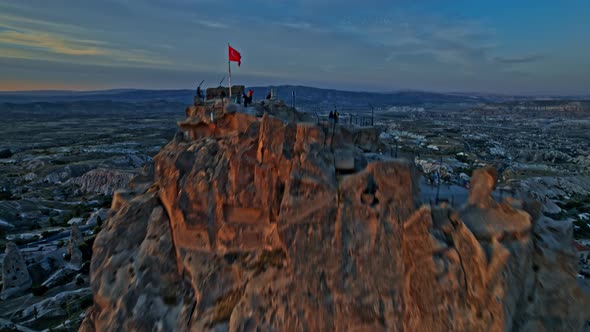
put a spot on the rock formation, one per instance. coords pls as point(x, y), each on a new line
point(97, 217)
point(104, 181)
point(58, 307)
point(62, 174)
point(6, 325)
point(245, 223)
point(61, 277)
point(73, 250)
point(5, 226)
point(15, 276)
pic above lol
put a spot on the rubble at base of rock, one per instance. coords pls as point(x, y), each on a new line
point(247, 223)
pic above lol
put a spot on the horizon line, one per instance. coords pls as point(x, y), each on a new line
point(122, 89)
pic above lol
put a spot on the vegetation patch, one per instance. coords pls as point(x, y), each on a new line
point(572, 208)
point(78, 211)
point(5, 195)
point(581, 229)
point(39, 290)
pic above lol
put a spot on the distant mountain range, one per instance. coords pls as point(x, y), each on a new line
point(304, 96)
point(117, 95)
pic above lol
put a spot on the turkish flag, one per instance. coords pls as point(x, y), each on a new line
point(235, 56)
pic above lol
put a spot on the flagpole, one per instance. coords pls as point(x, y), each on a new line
point(229, 69)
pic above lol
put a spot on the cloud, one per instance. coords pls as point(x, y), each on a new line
point(16, 21)
point(452, 48)
point(56, 50)
point(378, 43)
point(18, 31)
point(51, 43)
point(442, 44)
point(519, 60)
point(37, 39)
point(296, 25)
point(212, 24)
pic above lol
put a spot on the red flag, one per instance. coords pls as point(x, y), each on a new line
point(235, 56)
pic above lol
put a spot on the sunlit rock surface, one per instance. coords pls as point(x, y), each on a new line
point(245, 222)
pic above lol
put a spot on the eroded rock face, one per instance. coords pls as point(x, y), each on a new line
point(56, 307)
point(487, 219)
point(101, 180)
point(15, 276)
point(6, 325)
point(248, 226)
point(73, 250)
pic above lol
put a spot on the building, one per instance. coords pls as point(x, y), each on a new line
point(583, 253)
point(215, 93)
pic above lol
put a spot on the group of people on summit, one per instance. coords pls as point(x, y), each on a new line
point(247, 98)
point(333, 116)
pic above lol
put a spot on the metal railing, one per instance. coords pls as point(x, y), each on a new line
point(363, 117)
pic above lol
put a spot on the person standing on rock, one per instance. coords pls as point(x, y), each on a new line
point(245, 97)
point(331, 116)
point(248, 98)
point(336, 115)
point(199, 93)
point(250, 95)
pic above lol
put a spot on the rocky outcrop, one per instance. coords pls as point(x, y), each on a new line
point(549, 190)
point(554, 301)
point(5, 226)
point(15, 276)
point(73, 250)
point(97, 217)
point(550, 156)
point(583, 161)
point(56, 308)
point(61, 174)
point(487, 219)
point(245, 223)
point(103, 181)
point(75, 221)
point(6, 325)
point(366, 138)
point(61, 277)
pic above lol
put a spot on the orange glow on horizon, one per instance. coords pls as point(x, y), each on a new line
point(31, 86)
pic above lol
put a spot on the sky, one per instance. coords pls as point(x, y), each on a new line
point(488, 46)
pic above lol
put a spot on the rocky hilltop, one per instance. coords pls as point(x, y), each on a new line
point(264, 219)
